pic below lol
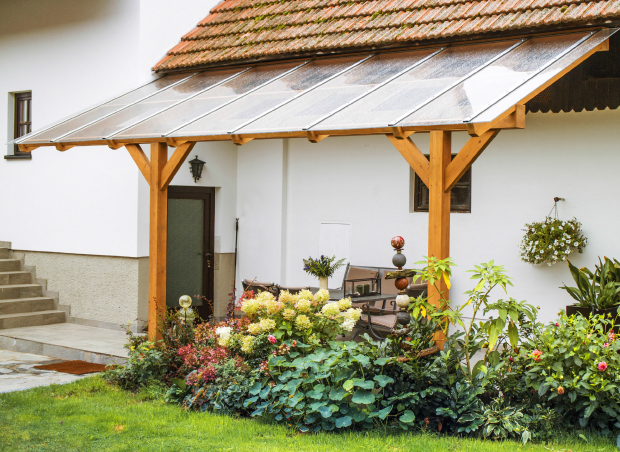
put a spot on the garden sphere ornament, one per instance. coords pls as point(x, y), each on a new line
point(185, 302)
point(402, 299)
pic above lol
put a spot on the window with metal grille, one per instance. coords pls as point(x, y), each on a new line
point(22, 119)
point(460, 196)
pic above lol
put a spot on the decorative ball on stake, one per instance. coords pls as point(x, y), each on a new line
point(402, 299)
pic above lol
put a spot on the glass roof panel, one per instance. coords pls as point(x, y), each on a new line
point(336, 93)
point(485, 87)
point(383, 106)
point(182, 113)
point(262, 100)
point(533, 84)
point(104, 109)
point(148, 107)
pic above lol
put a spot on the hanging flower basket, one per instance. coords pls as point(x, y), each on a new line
point(551, 241)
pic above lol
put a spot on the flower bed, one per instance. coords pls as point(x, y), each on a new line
point(282, 362)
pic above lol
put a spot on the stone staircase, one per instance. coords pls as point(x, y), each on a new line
point(22, 299)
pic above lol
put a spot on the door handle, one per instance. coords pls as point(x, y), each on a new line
point(208, 256)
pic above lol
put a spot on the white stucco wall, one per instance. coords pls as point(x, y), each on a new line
point(364, 181)
point(74, 54)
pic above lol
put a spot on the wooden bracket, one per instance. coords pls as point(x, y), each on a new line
point(64, 147)
point(466, 157)
point(239, 141)
point(141, 160)
point(513, 118)
point(173, 165)
point(401, 134)
point(413, 155)
point(27, 147)
point(314, 137)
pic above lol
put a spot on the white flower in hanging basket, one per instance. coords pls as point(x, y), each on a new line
point(551, 241)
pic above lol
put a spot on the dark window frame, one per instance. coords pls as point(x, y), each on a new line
point(420, 193)
point(18, 124)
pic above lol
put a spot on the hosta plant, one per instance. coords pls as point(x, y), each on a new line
point(551, 241)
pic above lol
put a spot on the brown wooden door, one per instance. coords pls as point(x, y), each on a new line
point(191, 212)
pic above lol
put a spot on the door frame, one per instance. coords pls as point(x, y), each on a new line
point(208, 195)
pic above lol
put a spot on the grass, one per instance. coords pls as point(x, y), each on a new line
point(92, 415)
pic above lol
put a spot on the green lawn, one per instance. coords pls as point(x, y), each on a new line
point(92, 415)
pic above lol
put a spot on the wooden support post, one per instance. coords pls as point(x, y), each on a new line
point(439, 212)
point(158, 236)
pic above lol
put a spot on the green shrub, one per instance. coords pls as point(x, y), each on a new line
point(573, 365)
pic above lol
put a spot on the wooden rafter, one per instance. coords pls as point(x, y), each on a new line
point(138, 155)
point(413, 155)
point(466, 156)
point(175, 162)
point(314, 137)
point(64, 147)
point(513, 118)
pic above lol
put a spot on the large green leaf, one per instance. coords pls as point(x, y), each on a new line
point(337, 394)
point(363, 396)
point(513, 334)
point(493, 335)
point(348, 385)
point(407, 417)
point(383, 380)
point(364, 384)
point(344, 421)
point(255, 389)
point(325, 411)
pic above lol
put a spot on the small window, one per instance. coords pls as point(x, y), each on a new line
point(22, 120)
point(460, 197)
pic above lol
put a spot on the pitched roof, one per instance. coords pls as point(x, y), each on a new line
point(238, 30)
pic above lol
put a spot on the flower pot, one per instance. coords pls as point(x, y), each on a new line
point(574, 310)
point(323, 282)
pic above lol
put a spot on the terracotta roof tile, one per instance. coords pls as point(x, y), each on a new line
point(243, 29)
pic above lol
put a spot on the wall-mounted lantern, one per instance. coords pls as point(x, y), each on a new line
point(196, 168)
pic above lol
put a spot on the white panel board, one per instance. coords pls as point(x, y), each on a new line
point(335, 239)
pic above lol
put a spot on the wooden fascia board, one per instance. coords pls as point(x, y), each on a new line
point(29, 147)
point(175, 162)
point(466, 157)
point(138, 156)
point(413, 155)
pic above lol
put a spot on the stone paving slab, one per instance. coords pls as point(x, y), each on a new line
point(67, 341)
point(17, 372)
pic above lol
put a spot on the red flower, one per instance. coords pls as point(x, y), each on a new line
point(602, 366)
point(272, 339)
point(560, 390)
point(605, 345)
point(536, 354)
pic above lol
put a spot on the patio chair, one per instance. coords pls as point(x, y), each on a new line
point(257, 286)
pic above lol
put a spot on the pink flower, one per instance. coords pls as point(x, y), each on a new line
point(294, 344)
point(536, 354)
point(605, 345)
point(611, 336)
point(272, 339)
point(557, 324)
point(602, 366)
point(511, 359)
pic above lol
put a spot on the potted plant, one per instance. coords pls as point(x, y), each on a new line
point(596, 293)
point(551, 241)
point(322, 268)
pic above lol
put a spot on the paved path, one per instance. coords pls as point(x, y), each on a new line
point(17, 372)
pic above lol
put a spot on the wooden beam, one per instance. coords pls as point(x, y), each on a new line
point(466, 157)
point(158, 236)
point(177, 159)
point(141, 160)
point(314, 137)
point(439, 213)
point(413, 155)
point(513, 118)
point(115, 144)
point(28, 147)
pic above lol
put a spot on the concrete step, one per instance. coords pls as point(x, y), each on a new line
point(22, 305)
point(31, 319)
point(16, 277)
point(4, 253)
point(9, 265)
point(20, 291)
